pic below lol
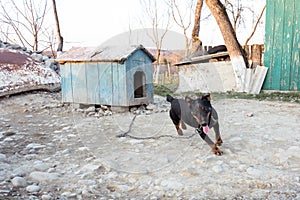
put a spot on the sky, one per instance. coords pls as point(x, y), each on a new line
point(94, 22)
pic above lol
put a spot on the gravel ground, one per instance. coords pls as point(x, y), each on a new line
point(50, 150)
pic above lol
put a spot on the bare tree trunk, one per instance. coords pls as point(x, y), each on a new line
point(256, 50)
point(237, 56)
point(60, 38)
point(157, 66)
point(196, 42)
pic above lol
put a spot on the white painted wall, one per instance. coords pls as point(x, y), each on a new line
point(207, 77)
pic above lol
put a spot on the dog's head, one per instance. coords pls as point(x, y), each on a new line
point(201, 109)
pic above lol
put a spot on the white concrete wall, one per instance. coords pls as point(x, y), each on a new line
point(207, 77)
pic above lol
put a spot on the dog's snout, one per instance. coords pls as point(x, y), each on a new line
point(204, 124)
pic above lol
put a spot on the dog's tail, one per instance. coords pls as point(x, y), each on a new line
point(169, 98)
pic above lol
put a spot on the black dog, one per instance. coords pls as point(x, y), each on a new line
point(199, 114)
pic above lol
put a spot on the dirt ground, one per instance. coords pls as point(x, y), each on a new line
point(50, 150)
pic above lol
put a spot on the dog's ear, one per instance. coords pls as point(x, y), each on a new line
point(189, 100)
point(206, 97)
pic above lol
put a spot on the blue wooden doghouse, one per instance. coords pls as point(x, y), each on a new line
point(113, 75)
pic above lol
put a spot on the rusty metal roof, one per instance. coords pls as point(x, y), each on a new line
point(101, 54)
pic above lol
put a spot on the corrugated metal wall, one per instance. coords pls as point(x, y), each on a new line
point(282, 45)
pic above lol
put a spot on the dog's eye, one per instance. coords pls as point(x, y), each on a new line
point(202, 108)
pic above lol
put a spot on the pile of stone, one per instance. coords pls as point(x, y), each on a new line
point(159, 106)
point(22, 70)
point(47, 60)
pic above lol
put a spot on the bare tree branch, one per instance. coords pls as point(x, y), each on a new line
point(26, 20)
point(177, 13)
point(257, 22)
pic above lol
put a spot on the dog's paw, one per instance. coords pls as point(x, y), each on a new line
point(183, 126)
point(219, 142)
point(179, 131)
point(217, 151)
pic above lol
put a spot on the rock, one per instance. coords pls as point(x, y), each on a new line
point(19, 182)
point(124, 188)
point(45, 58)
point(43, 176)
point(34, 146)
point(21, 170)
point(250, 114)
point(41, 166)
point(91, 167)
point(90, 109)
point(15, 47)
point(151, 106)
point(235, 139)
point(133, 109)
point(50, 63)
point(217, 169)
point(9, 133)
point(37, 57)
point(87, 182)
point(254, 172)
point(69, 194)
point(90, 114)
point(47, 197)
point(173, 184)
point(33, 188)
point(2, 157)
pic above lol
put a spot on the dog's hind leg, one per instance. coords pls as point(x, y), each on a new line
point(176, 121)
point(183, 126)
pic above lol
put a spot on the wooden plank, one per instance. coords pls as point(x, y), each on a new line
point(66, 82)
point(115, 86)
point(79, 83)
point(269, 42)
point(295, 65)
point(105, 83)
point(248, 80)
point(286, 45)
point(258, 78)
point(119, 85)
point(201, 58)
point(92, 83)
point(209, 56)
point(277, 47)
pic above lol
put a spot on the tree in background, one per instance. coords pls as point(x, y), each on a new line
point(237, 56)
point(25, 24)
point(182, 21)
point(160, 22)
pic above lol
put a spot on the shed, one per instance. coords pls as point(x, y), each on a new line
point(112, 75)
point(282, 45)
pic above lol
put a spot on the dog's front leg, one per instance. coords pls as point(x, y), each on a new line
point(219, 140)
point(213, 146)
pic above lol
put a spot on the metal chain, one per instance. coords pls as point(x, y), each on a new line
point(126, 134)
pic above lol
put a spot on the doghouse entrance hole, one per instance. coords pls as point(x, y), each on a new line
point(139, 85)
